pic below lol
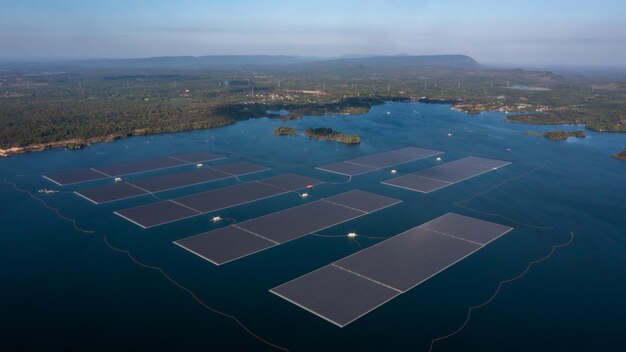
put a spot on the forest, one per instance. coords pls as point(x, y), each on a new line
point(76, 103)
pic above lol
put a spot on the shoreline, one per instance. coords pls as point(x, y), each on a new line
point(79, 143)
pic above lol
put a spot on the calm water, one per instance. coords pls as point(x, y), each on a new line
point(61, 289)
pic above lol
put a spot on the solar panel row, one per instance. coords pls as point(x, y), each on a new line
point(167, 211)
point(447, 174)
point(70, 177)
point(378, 161)
point(128, 189)
point(243, 239)
point(351, 287)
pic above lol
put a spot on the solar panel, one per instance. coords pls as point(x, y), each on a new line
point(362, 201)
point(347, 169)
point(158, 213)
point(282, 226)
point(416, 183)
point(336, 295)
point(225, 244)
point(217, 199)
point(447, 174)
point(112, 192)
point(409, 258)
point(181, 179)
point(468, 228)
point(296, 222)
point(133, 188)
point(378, 161)
point(393, 266)
point(196, 157)
point(239, 168)
point(229, 196)
point(139, 166)
point(70, 177)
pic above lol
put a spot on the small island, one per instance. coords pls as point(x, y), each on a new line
point(558, 136)
point(621, 155)
point(284, 131)
point(327, 133)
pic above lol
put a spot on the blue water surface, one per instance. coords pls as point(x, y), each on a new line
point(63, 289)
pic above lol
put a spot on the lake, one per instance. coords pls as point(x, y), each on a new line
point(64, 289)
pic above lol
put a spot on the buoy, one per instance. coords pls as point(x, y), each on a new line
point(304, 195)
point(394, 171)
point(309, 187)
point(216, 219)
point(438, 159)
point(352, 235)
point(118, 179)
point(449, 134)
point(508, 149)
point(199, 165)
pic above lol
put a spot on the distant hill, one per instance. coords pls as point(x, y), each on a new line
point(199, 62)
point(452, 61)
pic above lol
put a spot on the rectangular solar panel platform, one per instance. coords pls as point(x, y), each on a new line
point(335, 295)
point(151, 215)
point(444, 175)
point(140, 166)
point(156, 214)
point(134, 188)
point(197, 157)
point(258, 234)
point(393, 266)
point(224, 244)
point(378, 161)
point(110, 193)
point(239, 168)
point(71, 177)
point(181, 179)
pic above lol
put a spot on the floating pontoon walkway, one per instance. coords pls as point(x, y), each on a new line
point(347, 289)
point(243, 239)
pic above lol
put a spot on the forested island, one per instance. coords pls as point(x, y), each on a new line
point(558, 136)
point(328, 134)
point(284, 131)
point(621, 155)
point(78, 103)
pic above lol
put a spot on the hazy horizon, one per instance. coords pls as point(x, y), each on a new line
point(532, 33)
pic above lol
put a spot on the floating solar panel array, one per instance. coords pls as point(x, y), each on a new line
point(349, 288)
point(171, 210)
point(447, 174)
point(378, 161)
point(242, 239)
point(129, 189)
point(65, 178)
point(343, 291)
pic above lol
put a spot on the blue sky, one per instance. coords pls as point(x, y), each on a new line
point(528, 32)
